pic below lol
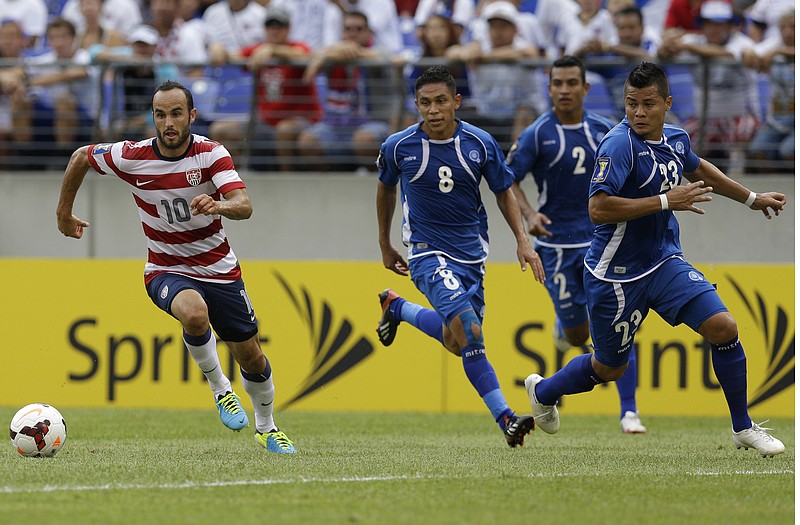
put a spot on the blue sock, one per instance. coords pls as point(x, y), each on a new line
point(481, 374)
point(730, 366)
point(626, 386)
point(577, 376)
point(423, 319)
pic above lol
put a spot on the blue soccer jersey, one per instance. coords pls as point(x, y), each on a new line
point(561, 159)
point(631, 167)
point(440, 189)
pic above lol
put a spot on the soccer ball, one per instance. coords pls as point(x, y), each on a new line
point(38, 430)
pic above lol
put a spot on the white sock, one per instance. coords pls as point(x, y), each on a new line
point(262, 394)
point(205, 355)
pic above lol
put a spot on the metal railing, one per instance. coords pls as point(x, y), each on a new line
point(114, 105)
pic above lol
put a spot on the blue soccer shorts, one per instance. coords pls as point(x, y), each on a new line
point(230, 311)
point(617, 309)
point(564, 270)
point(450, 286)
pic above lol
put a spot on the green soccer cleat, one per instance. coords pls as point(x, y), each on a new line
point(275, 441)
point(231, 412)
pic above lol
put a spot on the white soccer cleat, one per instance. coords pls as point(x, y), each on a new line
point(757, 437)
point(631, 424)
point(546, 416)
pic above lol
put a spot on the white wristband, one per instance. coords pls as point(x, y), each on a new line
point(751, 199)
point(664, 202)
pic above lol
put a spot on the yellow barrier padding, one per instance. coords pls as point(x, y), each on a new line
point(84, 333)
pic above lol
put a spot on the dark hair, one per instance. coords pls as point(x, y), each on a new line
point(169, 85)
point(648, 74)
point(569, 61)
point(358, 14)
point(58, 23)
point(436, 75)
point(630, 10)
point(452, 39)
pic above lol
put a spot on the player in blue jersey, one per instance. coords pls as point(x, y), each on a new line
point(635, 262)
point(558, 150)
point(439, 164)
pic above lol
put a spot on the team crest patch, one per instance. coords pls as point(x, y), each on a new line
point(694, 276)
point(101, 149)
point(474, 156)
point(601, 172)
point(194, 176)
point(679, 147)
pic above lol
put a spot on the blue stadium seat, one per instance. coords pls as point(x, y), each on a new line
point(234, 99)
point(681, 87)
point(764, 91)
point(599, 99)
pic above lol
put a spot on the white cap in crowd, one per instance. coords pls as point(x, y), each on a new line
point(716, 11)
point(502, 10)
point(144, 33)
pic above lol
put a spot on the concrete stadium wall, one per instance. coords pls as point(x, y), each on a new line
point(332, 217)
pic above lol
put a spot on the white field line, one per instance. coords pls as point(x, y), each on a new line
point(300, 481)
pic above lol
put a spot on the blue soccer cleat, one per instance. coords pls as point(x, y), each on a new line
point(275, 441)
point(231, 412)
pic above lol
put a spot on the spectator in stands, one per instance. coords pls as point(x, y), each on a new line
point(234, 24)
point(683, 15)
point(60, 102)
point(137, 82)
point(632, 40)
point(579, 34)
point(383, 21)
point(286, 104)
point(505, 97)
point(732, 110)
point(95, 35)
point(117, 15)
point(357, 98)
point(764, 17)
point(189, 11)
point(317, 23)
point(12, 45)
point(179, 42)
point(438, 39)
point(31, 16)
point(775, 140)
point(460, 12)
point(549, 14)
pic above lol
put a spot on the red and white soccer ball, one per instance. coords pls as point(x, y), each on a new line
point(38, 430)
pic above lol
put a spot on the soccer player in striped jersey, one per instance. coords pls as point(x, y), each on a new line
point(439, 165)
point(635, 262)
point(183, 185)
point(558, 150)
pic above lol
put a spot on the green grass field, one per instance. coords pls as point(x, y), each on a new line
point(150, 466)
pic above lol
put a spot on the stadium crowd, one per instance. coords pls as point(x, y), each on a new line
point(295, 85)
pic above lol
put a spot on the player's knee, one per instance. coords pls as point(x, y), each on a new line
point(473, 330)
point(719, 328)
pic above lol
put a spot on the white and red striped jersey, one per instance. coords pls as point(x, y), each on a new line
point(163, 188)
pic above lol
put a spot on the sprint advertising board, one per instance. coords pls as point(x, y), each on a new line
point(84, 333)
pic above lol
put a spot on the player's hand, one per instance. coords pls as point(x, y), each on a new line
point(769, 201)
point(528, 256)
point(683, 198)
point(538, 226)
point(392, 260)
point(204, 205)
point(71, 226)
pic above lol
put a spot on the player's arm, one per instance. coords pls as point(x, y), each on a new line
point(721, 184)
point(525, 253)
point(235, 205)
point(385, 202)
point(78, 166)
point(535, 221)
point(609, 209)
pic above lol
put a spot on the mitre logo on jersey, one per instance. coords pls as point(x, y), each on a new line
point(602, 169)
point(194, 176)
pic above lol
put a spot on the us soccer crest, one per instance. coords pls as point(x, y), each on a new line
point(601, 172)
point(194, 176)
